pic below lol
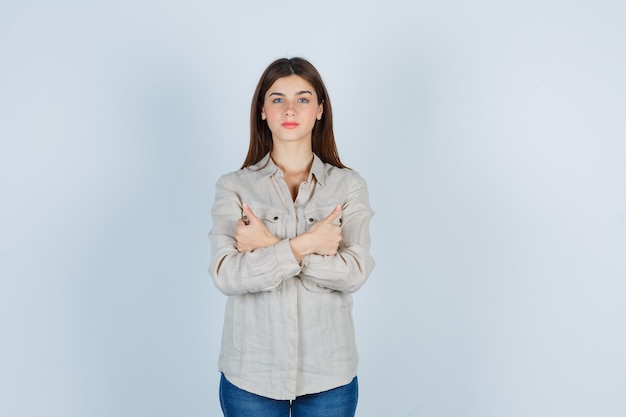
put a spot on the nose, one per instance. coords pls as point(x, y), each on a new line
point(289, 109)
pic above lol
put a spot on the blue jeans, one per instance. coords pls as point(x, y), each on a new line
point(337, 402)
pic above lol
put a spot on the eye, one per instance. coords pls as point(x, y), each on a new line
point(277, 100)
point(303, 100)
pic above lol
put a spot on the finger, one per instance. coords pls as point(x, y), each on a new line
point(248, 214)
point(333, 215)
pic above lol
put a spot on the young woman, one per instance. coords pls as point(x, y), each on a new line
point(290, 243)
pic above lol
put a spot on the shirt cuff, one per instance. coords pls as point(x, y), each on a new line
point(312, 258)
point(287, 262)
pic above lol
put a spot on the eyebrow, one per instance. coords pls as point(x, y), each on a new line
point(299, 93)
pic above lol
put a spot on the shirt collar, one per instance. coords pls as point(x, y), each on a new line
point(266, 167)
point(318, 170)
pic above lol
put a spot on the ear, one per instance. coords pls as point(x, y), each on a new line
point(320, 110)
point(262, 113)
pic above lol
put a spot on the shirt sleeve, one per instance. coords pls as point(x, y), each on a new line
point(236, 272)
point(347, 270)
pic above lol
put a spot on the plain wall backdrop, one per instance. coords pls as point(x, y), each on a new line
point(493, 139)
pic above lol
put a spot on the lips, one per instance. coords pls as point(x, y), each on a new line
point(290, 125)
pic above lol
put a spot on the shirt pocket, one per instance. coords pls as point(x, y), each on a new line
point(274, 219)
point(318, 214)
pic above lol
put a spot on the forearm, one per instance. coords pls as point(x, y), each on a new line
point(263, 269)
point(346, 271)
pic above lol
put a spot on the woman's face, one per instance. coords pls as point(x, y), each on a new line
point(290, 109)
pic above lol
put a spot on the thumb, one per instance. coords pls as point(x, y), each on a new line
point(248, 215)
point(333, 215)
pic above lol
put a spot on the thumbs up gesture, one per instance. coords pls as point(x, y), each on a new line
point(251, 233)
point(322, 238)
point(325, 236)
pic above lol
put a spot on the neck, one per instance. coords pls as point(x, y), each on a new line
point(293, 159)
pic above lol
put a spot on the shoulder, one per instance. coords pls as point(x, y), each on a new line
point(234, 175)
point(343, 175)
point(242, 175)
point(263, 168)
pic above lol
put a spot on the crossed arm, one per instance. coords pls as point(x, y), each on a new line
point(322, 238)
point(247, 257)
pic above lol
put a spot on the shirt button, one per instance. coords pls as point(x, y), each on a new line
point(311, 220)
point(275, 217)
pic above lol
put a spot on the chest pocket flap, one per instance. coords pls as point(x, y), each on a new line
point(320, 213)
point(274, 219)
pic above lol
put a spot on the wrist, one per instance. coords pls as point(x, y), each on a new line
point(299, 247)
point(272, 240)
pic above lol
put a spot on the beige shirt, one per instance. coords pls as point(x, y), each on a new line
point(288, 327)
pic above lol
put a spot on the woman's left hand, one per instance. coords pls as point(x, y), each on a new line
point(252, 234)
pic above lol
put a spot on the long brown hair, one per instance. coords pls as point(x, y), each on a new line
point(322, 136)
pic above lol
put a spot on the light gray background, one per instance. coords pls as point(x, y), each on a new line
point(493, 139)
